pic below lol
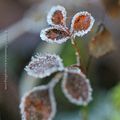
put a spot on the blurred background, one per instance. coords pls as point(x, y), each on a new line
point(20, 25)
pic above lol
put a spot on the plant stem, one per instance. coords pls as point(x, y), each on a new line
point(85, 70)
point(85, 113)
point(77, 53)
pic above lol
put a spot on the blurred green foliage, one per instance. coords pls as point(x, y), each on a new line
point(116, 97)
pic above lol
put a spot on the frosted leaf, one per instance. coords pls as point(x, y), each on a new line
point(44, 65)
point(76, 88)
point(101, 44)
point(82, 23)
point(55, 35)
point(57, 16)
point(38, 104)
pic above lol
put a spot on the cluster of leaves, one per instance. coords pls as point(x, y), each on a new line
point(58, 32)
point(39, 103)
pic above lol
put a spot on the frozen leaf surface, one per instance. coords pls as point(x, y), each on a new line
point(55, 35)
point(82, 23)
point(44, 65)
point(76, 87)
point(38, 104)
point(57, 16)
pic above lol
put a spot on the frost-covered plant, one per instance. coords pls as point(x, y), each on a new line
point(39, 103)
point(58, 32)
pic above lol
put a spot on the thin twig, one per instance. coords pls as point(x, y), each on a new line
point(79, 61)
point(77, 51)
point(85, 113)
